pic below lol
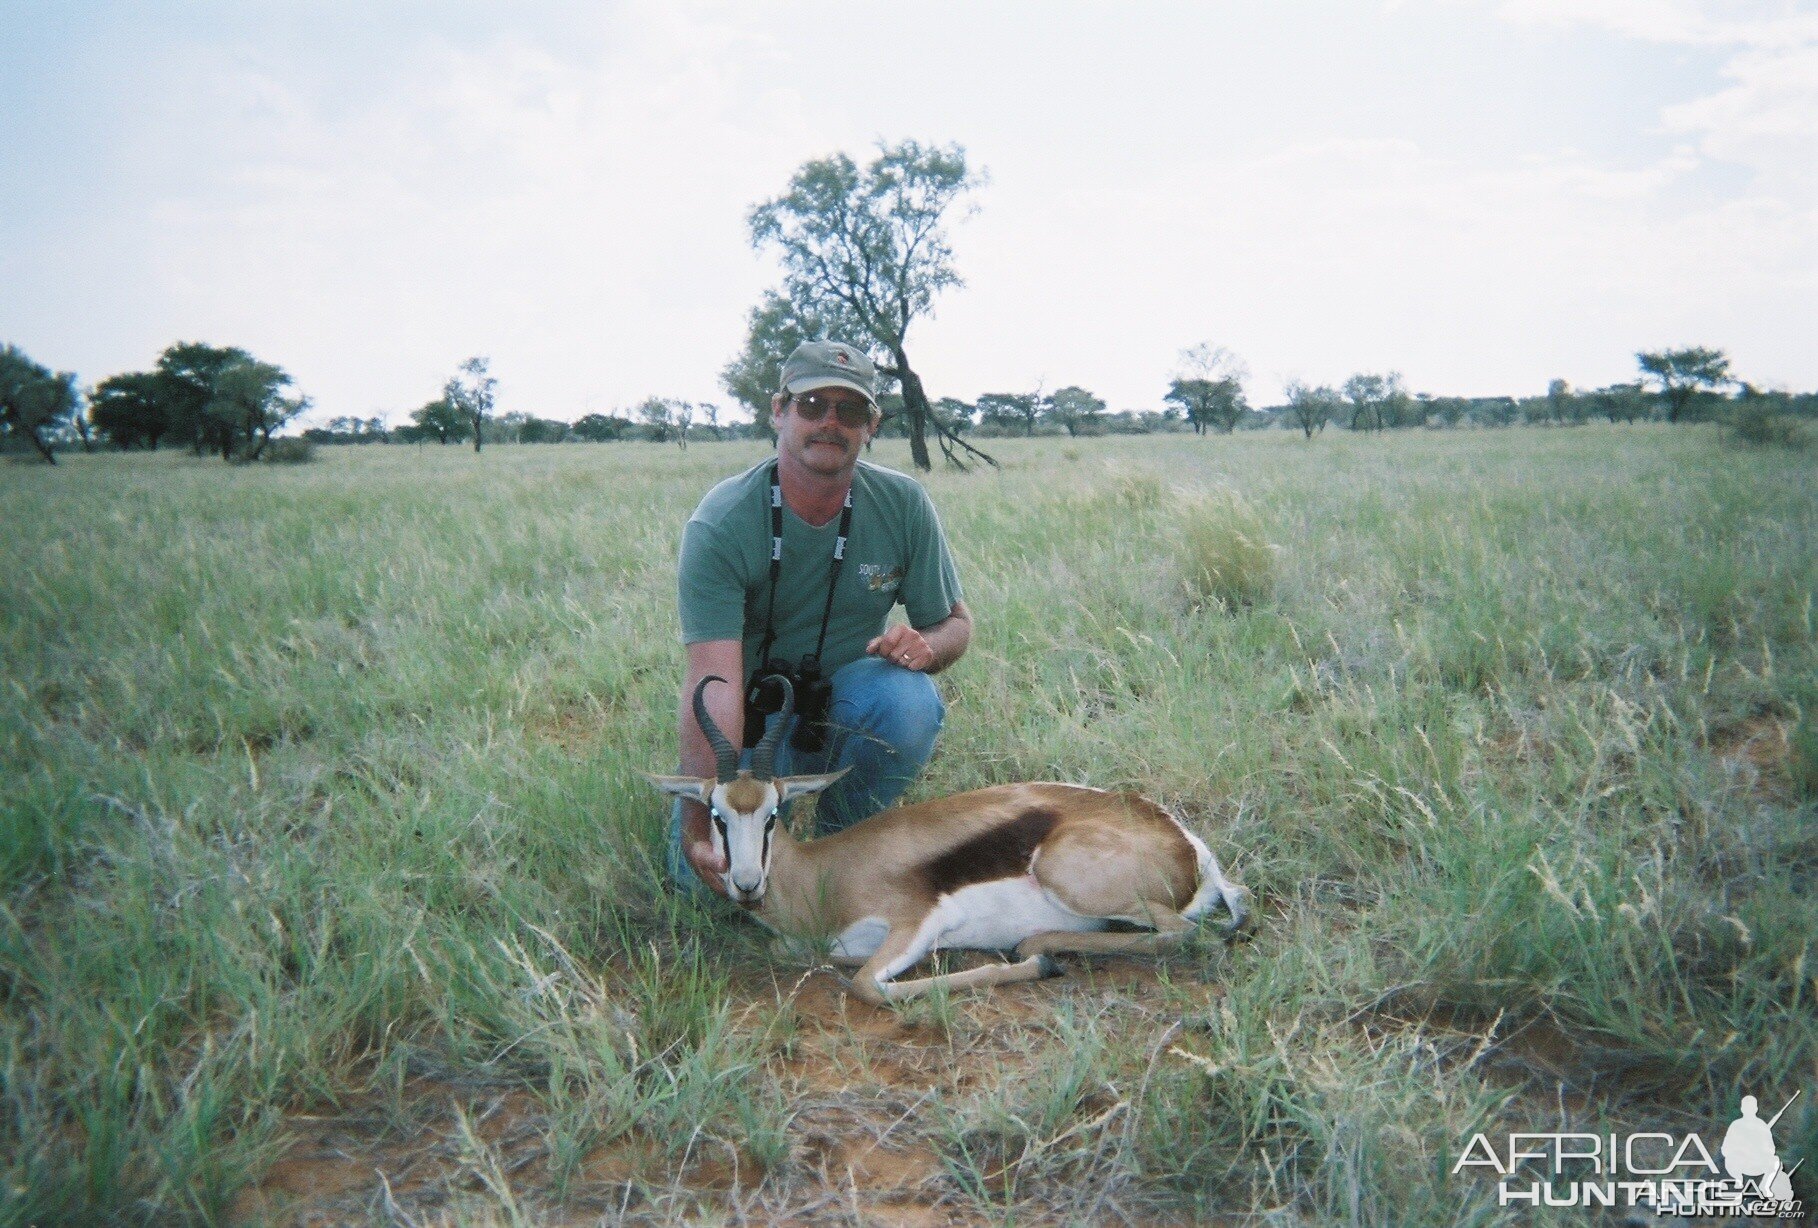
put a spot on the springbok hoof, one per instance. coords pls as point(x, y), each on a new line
point(1049, 966)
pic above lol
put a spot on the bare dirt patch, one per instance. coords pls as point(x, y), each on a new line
point(1758, 748)
point(865, 1086)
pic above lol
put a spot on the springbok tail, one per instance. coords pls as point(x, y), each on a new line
point(1215, 888)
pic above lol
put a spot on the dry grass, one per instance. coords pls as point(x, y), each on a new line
point(326, 887)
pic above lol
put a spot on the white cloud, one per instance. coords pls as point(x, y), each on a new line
point(1711, 23)
point(1332, 256)
point(1767, 119)
point(557, 212)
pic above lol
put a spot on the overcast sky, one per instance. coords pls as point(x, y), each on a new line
point(1481, 194)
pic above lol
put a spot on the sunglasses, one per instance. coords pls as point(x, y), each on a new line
point(813, 406)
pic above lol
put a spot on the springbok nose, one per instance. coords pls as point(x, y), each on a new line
point(745, 888)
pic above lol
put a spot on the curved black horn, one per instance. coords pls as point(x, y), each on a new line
point(763, 759)
point(725, 756)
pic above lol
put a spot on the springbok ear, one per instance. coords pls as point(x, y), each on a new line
point(682, 786)
point(796, 786)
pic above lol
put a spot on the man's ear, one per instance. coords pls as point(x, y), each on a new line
point(682, 786)
point(788, 787)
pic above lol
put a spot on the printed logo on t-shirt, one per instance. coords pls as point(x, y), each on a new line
point(880, 577)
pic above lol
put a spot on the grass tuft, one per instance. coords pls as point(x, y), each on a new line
point(1225, 558)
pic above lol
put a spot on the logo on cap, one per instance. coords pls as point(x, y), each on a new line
point(840, 357)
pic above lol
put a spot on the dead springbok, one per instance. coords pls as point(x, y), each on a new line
point(1034, 868)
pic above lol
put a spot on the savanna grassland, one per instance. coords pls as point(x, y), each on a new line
point(328, 888)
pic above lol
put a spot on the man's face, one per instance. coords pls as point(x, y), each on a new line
point(817, 428)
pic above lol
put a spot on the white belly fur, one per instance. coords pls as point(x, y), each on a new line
point(992, 916)
point(861, 939)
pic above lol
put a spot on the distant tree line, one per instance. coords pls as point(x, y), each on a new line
point(1206, 396)
point(864, 252)
point(209, 399)
point(214, 400)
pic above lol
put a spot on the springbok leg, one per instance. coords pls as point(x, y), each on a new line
point(1034, 968)
point(1170, 929)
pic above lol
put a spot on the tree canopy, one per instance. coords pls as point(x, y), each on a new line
point(471, 394)
point(34, 401)
point(247, 405)
point(1378, 401)
point(774, 328)
point(1075, 409)
point(1005, 411)
point(441, 420)
point(1209, 388)
point(865, 251)
point(189, 370)
point(1681, 375)
point(1311, 407)
point(131, 410)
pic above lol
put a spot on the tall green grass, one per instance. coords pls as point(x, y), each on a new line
point(322, 799)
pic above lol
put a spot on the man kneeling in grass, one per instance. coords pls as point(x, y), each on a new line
point(790, 569)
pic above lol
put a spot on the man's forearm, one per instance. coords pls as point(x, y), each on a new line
point(948, 638)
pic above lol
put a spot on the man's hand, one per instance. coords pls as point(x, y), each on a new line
point(697, 846)
point(928, 650)
point(903, 645)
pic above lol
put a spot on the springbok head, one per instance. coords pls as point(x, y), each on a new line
point(743, 803)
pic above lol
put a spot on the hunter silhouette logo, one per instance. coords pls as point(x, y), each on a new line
point(1749, 1155)
point(1674, 1174)
point(843, 358)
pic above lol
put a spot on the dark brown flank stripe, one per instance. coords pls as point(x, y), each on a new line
point(1002, 852)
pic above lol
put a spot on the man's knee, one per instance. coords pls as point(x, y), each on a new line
point(898, 706)
point(918, 708)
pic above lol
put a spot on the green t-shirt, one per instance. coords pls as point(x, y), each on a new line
point(895, 552)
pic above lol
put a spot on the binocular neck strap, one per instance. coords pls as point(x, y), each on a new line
point(776, 566)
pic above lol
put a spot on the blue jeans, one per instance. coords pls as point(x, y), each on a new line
point(882, 722)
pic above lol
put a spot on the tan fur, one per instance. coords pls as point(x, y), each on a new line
point(1109, 855)
point(745, 794)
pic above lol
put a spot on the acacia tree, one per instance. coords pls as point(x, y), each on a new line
point(1680, 375)
point(471, 393)
point(1209, 403)
point(1209, 387)
point(1310, 408)
point(1075, 408)
point(1377, 401)
point(248, 404)
point(868, 248)
point(34, 401)
point(188, 371)
point(1005, 411)
point(599, 428)
point(1621, 402)
point(953, 413)
point(439, 419)
point(131, 409)
point(667, 419)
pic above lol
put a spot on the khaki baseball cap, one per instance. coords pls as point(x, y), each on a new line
point(829, 364)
